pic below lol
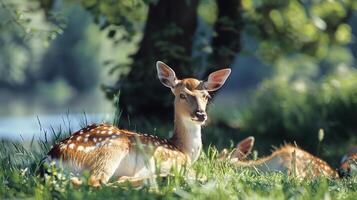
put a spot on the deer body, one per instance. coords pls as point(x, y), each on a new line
point(107, 151)
point(289, 160)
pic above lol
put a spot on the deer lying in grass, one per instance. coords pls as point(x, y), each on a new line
point(288, 159)
point(348, 165)
point(107, 151)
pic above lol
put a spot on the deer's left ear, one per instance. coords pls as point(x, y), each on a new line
point(166, 75)
point(216, 79)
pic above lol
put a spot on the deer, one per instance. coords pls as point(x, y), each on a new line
point(108, 152)
point(348, 165)
point(288, 159)
point(240, 153)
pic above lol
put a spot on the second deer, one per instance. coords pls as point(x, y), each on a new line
point(107, 151)
point(289, 160)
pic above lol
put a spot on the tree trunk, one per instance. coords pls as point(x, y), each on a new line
point(226, 43)
point(168, 37)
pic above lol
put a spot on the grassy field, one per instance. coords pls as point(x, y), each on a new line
point(213, 180)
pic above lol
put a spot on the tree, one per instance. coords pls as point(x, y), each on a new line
point(168, 36)
point(280, 27)
point(228, 27)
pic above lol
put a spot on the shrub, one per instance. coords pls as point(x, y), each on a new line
point(295, 109)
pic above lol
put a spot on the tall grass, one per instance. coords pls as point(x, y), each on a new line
point(212, 179)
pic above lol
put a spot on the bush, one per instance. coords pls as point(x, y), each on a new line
point(295, 109)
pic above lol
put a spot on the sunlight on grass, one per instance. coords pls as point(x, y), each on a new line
point(212, 179)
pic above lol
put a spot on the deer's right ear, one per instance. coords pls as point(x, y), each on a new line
point(166, 75)
point(244, 148)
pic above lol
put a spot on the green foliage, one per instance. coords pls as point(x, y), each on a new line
point(287, 26)
point(23, 35)
point(280, 27)
point(113, 14)
point(214, 180)
point(73, 55)
point(294, 108)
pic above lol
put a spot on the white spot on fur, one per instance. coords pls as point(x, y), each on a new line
point(94, 139)
point(80, 148)
point(71, 146)
point(88, 149)
point(100, 139)
point(85, 139)
point(103, 132)
point(79, 138)
point(87, 135)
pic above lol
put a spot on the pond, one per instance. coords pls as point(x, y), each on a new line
point(26, 127)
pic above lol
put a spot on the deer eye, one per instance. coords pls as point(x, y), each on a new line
point(182, 96)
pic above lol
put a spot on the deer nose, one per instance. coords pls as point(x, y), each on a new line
point(201, 115)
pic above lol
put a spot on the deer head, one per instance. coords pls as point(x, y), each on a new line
point(191, 95)
point(240, 152)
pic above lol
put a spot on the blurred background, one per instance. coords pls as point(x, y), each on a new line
point(64, 64)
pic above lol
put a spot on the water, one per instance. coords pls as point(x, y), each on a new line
point(26, 127)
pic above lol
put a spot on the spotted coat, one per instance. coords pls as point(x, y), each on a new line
point(292, 160)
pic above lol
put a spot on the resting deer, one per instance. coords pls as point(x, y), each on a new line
point(107, 151)
point(240, 153)
point(348, 165)
point(288, 159)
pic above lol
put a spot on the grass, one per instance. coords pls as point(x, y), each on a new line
point(213, 180)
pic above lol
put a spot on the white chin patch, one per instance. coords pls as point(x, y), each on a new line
point(197, 121)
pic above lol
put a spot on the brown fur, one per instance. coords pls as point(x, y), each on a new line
point(291, 160)
point(108, 151)
point(74, 148)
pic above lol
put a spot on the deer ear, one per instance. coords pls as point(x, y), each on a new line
point(166, 75)
point(216, 79)
point(244, 148)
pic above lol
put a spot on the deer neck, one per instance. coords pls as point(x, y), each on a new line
point(187, 137)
